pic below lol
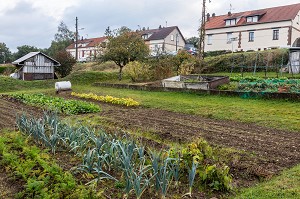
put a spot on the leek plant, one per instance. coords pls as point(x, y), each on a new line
point(192, 174)
point(88, 161)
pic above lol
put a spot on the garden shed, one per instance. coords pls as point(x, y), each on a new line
point(35, 66)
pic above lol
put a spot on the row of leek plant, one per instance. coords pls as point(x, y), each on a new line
point(107, 156)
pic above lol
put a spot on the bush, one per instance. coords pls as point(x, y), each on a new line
point(67, 62)
point(7, 69)
point(162, 67)
point(138, 71)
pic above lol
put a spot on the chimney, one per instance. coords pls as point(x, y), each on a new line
point(229, 13)
point(207, 17)
point(213, 14)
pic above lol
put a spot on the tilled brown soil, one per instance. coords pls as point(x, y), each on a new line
point(10, 109)
point(272, 149)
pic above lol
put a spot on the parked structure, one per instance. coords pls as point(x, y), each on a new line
point(35, 66)
point(88, 49)
point(163, 40)
point(254, 30)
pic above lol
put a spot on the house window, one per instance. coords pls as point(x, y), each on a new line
point(251, 36)
point(230, 22)
point(275, 34)
point(172, 37)
point(83, 53)
point(229, 36)
point(252, 19)
point(145, 36)
point(209, 39)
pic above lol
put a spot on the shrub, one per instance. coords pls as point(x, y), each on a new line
point(67, 62)
point(138, 71)
point(7, 69)
point(162, 66)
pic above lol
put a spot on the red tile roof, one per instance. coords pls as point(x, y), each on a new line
point(93, 42)
point(267, 15)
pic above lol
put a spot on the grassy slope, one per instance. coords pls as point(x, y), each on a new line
point(8, 84)
point(260, 74)
point(273, 113)
point(287, 185)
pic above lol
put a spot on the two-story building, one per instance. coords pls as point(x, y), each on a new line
point(254, 30)
point(163, 39)
point(87, 48)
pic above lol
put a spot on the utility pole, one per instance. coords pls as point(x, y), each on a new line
point(76, 39)
point(202, 30)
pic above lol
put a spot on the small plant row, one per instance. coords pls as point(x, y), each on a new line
point(109, 157)
point(107, 99)
point(43, 178)
point(69, 107)
point(271, 85)
point(251, 78)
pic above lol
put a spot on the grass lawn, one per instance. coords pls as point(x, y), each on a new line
point(272, 113)
point(287, 185)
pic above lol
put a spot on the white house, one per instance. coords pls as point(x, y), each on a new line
point(163, 39)
point(35, 66)
point(254, 30)
point(87, 48)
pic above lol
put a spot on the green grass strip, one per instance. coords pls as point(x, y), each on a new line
point(287, 185)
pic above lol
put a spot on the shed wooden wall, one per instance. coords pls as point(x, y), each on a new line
point(37, 68)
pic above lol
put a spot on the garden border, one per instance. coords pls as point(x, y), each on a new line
point(247, 95)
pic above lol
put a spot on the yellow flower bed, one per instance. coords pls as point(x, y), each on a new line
point(107, 99)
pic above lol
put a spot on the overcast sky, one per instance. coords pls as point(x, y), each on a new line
point(34, 22)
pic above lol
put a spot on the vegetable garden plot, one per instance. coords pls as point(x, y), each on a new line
point(270, 85)
point(121, 159)
point(69, 107)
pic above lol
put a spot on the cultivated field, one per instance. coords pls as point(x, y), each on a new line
point(257, 139)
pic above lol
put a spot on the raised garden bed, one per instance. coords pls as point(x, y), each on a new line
point(195, 82)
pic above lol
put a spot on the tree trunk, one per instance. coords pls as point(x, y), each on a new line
point(120, 73)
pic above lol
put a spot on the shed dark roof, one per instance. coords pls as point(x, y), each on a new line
point(267, 15)
point(160, 33)
point(92, 42)
point(32, 54)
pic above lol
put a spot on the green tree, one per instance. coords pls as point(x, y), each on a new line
point(194, 41)
point(124, 46)
point(62, 39)
point(67, 62)
point(5, 54)
point(24, 50)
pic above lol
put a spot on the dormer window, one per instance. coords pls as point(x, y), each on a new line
point(145, 36)
point(252, 19)
point(230, 22)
